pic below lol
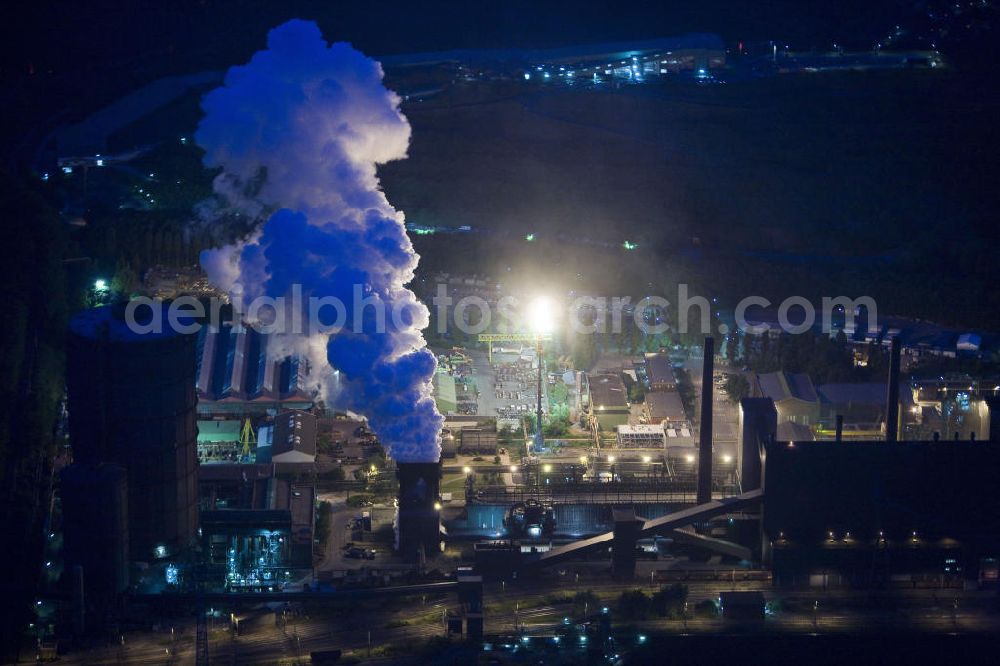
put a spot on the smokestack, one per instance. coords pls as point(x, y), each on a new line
point(757, 425)
point(705, 439)
point(892, 399)
point(418, 527)
point(840, 428)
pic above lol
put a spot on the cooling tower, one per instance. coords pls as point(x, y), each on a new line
point(132, 402)
point(419, 523)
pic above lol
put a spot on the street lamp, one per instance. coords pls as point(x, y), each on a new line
point(467, 470)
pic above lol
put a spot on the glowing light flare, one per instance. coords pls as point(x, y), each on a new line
point(540, 316)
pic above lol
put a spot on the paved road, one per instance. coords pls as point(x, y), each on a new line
point(485, 380)
point(539, 608)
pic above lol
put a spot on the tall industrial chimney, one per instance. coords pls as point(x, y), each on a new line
point(758, 424)
point(892, 399)
point(705, 439)
point(418, 527)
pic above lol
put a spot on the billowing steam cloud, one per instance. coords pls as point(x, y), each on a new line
point(299, 130)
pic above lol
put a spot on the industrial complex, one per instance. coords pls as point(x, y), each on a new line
point(489, 353)
point(166, 495)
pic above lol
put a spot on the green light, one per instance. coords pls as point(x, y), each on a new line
point(100, 285)
point(529, 237)
point(628, 245)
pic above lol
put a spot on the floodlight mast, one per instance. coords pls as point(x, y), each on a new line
point(541, 324)
point(539, 439)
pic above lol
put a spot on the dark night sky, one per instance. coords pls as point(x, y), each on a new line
point(65, 47)
point(64, 55)
point(59, 51)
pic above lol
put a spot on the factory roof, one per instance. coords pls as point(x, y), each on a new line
point(641, 429)
point(234, 365)
point(787, 385)
point(607, 392)
point(294, 431)
point(659, 369)
point(665, 405)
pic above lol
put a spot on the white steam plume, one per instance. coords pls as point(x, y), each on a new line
point(300, 130)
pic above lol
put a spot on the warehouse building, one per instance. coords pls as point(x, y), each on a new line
point(644, 436)
point(660, 372)
point(291, 439)
point(609, 400)
point(869, 513)
point(236, 375)
point(665, 407)
point(793, 394)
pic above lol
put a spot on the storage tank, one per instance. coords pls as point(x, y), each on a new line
point(94, 500)
point(132, 400)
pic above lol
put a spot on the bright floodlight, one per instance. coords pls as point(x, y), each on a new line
point(540, 316)
point(100, 285)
